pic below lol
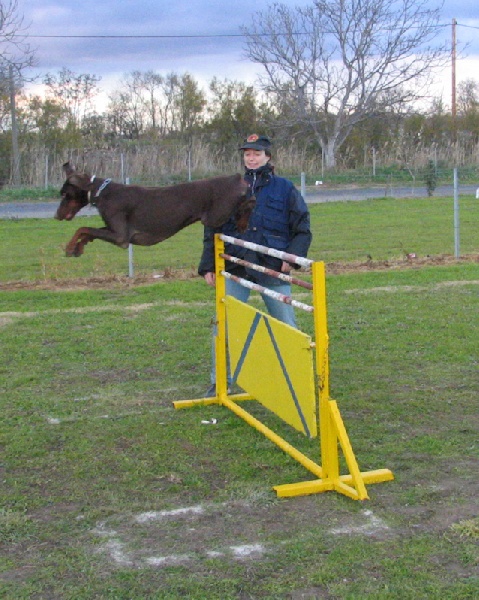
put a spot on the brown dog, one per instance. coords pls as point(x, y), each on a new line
point(145, 216)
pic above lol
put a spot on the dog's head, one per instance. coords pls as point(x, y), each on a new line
point(74, 198)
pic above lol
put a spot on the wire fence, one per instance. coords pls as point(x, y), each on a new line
point(411, 229)
point(170, 161)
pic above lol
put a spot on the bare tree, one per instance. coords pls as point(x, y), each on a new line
point(156, 104)
point(468, 97)
point(233, 111)
point(74, 92)
point(151, 83)
point(189, 103)
point(15, 51)
point(336, 63)
point(468, 109)
point(16, 55)
point(126, 111)
point(124, 115)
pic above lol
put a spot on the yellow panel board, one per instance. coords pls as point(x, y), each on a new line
point(274, 363)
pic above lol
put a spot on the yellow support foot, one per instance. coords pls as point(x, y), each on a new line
point(341, 485)
point(196, 402)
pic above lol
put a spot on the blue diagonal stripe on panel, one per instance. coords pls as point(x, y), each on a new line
point(247, 344)
point(288, 380)
point(244, 352)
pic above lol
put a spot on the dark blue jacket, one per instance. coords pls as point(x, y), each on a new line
point(279, 220)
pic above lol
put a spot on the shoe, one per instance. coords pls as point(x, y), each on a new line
point(211, 391)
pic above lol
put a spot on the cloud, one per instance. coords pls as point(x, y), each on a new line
point(197, 51)
point(136, 19)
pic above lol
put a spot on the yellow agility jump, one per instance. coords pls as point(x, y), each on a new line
point(292, 388)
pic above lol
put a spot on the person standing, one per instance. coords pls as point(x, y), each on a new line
point(280, 220)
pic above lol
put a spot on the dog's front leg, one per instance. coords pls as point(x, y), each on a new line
point(77, 243)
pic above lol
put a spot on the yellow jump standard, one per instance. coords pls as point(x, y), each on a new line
point(289, 387)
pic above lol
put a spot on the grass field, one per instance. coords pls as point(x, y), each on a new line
point(108, 492)
point(369, 232)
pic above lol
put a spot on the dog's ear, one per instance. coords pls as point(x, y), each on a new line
point(68, 169)
point(243, 214)
point(80, 180)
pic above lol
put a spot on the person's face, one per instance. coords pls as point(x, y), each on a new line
point(254, 159)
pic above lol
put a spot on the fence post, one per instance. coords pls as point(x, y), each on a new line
point(303, 185)
point(46, 172)
point(131, 271)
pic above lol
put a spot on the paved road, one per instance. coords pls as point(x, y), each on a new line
point(348, 194)
point(35, 210)
point(46, 210)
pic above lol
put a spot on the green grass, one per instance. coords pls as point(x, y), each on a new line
point(94, 455)
point(390, 229)
point(32, 194)
point(374, 230)
point(395, 175)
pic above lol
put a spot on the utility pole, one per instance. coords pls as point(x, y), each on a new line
point(453, 92)
point(13, 114)
point(454, 139)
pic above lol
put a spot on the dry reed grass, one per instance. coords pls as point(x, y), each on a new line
point(168, 161)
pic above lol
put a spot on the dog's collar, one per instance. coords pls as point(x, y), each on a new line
point(99, 190)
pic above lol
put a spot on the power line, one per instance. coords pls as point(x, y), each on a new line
point(193, 36)
point(140, 37)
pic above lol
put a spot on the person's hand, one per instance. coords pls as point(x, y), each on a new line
point(286, 267)
point(210, 279)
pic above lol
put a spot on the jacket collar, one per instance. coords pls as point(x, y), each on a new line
point(259, 177)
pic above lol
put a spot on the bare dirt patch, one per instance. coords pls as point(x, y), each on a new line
point(98, 282)
point(408, 262)
point(333, 268)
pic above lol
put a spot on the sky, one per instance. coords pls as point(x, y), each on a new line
point(203, 57)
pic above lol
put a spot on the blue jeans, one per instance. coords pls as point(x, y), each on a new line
point(277, 309)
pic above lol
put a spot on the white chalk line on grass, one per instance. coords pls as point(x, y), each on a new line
point(117, 549)
point(235, 552)
point(157, 410)
point(413, 288)
point(155, 515)
point(113, 546)
point(118, 552)
point(371, 526)
point(8, 316)
point(113, 416)
point(167, 561)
